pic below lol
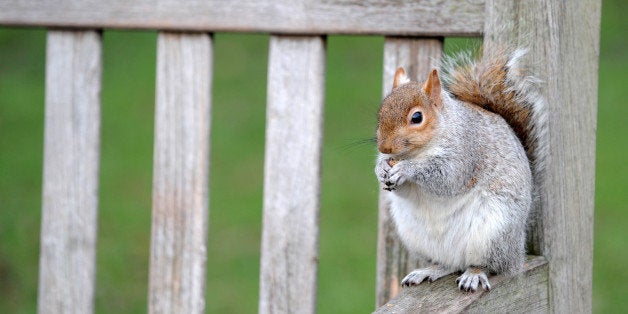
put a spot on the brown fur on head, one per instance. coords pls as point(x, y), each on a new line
point(397, 133)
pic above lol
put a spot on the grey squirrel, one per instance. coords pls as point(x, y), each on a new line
point(461, 156)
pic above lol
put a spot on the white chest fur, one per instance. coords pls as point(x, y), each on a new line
point(455, 232)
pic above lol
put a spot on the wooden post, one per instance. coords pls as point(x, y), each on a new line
point(181, 173)
point(294, 133)
point(563, 39)
point(393, 260)
point(71, 163)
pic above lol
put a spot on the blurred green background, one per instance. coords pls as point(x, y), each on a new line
point(349, 190)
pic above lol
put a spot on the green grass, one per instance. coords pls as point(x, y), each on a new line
point(610, 246)
point(349, 191)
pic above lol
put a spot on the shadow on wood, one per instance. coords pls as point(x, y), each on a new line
point(523, 292)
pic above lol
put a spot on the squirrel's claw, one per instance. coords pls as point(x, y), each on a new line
point(389, 186)
point(473, 278)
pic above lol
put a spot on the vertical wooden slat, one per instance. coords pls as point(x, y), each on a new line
point(70, 179)
point(502, 31)
point(393, 260)
point(289, 259)
point(180, 175)
point(563, 39)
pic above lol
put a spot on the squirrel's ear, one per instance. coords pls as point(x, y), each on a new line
point(432, 87)
point(400, 77)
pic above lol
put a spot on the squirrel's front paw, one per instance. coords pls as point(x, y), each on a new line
point(382, 169)
point(396, 176)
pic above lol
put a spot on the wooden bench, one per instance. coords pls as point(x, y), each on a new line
point(563, 39)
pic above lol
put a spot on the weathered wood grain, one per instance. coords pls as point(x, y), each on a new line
point(563, 39)
point(393, 260)
point(292, 178)
point(70, 181)
point(425, 17)
point(181, 172)
point(525, 292)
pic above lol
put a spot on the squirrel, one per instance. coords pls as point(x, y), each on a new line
point(462, 159)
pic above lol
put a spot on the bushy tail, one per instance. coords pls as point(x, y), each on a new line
point(498, 82)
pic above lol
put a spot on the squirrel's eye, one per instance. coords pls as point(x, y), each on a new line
point(417, 117)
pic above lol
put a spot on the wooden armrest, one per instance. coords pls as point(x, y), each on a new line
point(523, 292)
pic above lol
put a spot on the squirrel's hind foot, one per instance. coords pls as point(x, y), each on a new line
point(430, 274)
point(473, 278)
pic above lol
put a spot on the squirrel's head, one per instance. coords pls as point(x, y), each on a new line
point(407, 118)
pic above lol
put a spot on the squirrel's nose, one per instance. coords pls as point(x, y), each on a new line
point(385, 149)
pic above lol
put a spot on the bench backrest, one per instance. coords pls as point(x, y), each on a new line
point(563, 39)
